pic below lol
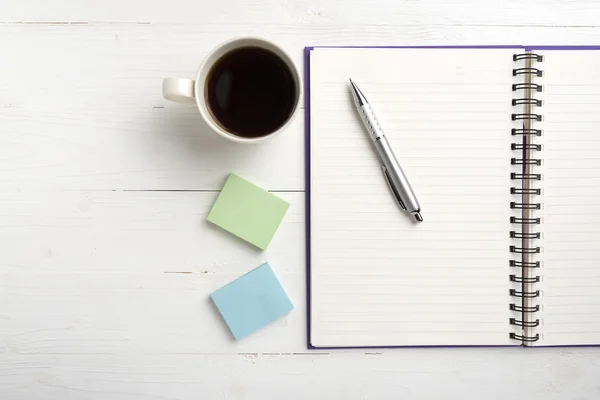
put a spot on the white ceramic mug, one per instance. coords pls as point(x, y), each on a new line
point(189, 91)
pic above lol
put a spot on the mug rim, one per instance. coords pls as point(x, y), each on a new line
point(199, 87)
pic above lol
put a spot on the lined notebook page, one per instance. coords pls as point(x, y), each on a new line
point(571, 198)
point(377, 278)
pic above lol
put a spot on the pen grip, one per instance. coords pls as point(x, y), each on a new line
point(370, 121)
point(396, 175)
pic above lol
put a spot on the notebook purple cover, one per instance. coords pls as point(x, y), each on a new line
point(307, 51)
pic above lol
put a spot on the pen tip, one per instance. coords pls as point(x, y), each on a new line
point(350, 80)
point(418, 216)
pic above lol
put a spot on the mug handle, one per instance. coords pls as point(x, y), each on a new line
point(179, 90)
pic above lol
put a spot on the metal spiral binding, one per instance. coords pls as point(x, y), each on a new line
point(524, 264)
point(527, 86)
point(536, 132)
point(525, 100)
point(514, 307)
point(521, 235)
point(525, 56)
point(532, 117)
point(527, 70)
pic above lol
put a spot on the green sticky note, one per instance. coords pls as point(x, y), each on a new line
point(248, 211)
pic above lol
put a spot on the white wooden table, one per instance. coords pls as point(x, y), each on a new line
point(106, 260)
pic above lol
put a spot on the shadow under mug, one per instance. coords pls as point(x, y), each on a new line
point(190, 91)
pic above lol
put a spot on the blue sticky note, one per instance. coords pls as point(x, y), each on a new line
point(252, 301)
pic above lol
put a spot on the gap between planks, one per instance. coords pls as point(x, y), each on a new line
point(197, 190)
point(435, 25)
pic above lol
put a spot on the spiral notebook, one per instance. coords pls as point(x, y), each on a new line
point(502, 147)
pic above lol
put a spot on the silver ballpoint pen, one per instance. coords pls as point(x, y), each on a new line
point(392, 171)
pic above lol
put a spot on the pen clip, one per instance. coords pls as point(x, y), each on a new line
point(392, 188)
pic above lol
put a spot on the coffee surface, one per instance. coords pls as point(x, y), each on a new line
point(250, 92)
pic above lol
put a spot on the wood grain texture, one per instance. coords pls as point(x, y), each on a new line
point(306, 12)
point(106, 261)
point(119, 272)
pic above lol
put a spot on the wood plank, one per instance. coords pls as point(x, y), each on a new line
point(308, 12)
point(120, 272)
point(94, 117)
point(404, 373)
point(258, 376)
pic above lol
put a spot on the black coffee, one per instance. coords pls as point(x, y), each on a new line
point(251, 92)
